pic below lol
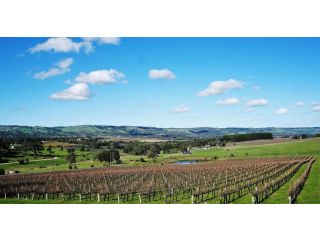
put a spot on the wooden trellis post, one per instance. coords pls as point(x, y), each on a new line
point(98, 197)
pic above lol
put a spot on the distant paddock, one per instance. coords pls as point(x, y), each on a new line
point(262, 142)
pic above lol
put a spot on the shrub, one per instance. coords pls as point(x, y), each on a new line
point(92, 166)
point(70, 150)
point(70, 167)
point(2, 171)
point(21, 161)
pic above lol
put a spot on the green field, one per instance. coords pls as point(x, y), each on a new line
point(309, 194)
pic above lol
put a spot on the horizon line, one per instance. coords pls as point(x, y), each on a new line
point(106, 125)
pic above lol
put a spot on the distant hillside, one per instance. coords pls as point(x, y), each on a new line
point(147, 132)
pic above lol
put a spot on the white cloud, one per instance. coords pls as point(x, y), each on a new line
point(181, 109)
point(249, 109)
point(103, 40)
point(66, 63)
point(257, 102)
point(282, 111)
point(299, 104)
point(65, 45)
point(78, 91)
point(59, 69)
point(50, 73)
point(101, 77)
point(316, 108)
point(62, 45)
point(315, 103)
point(161, 73)
point(219, 87)
point(229, 101)
point(68, 81)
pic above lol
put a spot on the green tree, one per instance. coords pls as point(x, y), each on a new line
point(70, 150)
point(49, 149)
point(33, 145)
point(115, 156)
point(109, 156)
point(154, 151)
point(71, 158)
point(4, 148)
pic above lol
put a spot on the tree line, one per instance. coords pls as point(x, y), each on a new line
point(247, 137)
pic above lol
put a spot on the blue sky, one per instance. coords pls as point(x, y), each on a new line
point(162, 82)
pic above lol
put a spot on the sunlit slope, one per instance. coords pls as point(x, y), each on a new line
point(302, 147)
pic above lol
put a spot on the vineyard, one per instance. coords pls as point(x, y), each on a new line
point(219, 181)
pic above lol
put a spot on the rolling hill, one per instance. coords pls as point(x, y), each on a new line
point(12, 131)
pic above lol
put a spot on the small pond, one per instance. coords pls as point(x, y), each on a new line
point(187, 162)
